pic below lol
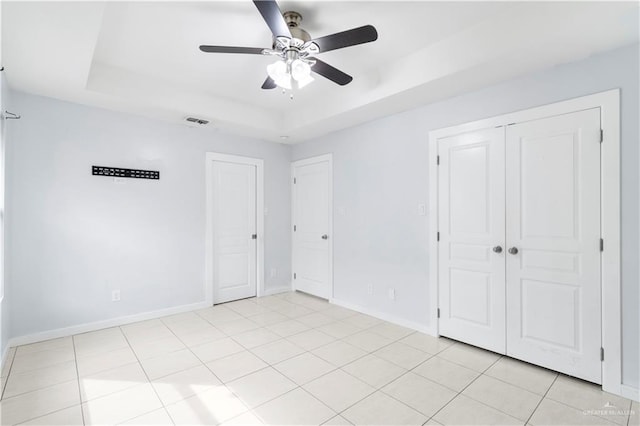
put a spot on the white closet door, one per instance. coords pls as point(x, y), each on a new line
point(234, 265)
point(311, 218)
point(472, 224)
point(553, 221)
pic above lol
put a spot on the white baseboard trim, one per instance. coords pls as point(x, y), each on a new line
point(630, 392)
point(98, 325)
point(386, 317)
point(277, 290)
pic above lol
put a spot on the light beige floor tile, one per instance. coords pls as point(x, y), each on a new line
point(261, 386)
point(337, 421)
point(432, 422)
point(245, 419)
point(402, 355)
point(315, 319)
point(218, 314)
point(235, 366)
point(272, 302)
point(339, 353)
point(368, 341)
point(339, 329)
point(183, 328)
point(551, 412)
point(255, 338)
point(181, 385)
point(634, 416)
point(71, 416)
point(169, 363)
point(140, 325)
point(268, 318)
point(39, 403)
point(505, 397)
point(374, 371)
point(246, 308)
point(41, 359)
point(469, 356)
point(446, 373)
point(216, 350)
point(426, 343)
point(294, 311)
point(466, 411)
point(362, 321)
point(530, 377)
point(111, 381)
point(304, 368)
point(232, 328)
point(338, 390)
point(277, 351)
point(155, 348)
point(180, 318)
point(288, 328)
point(99, 342)
point(381, 409)
point(158, 417)
point(206, 335)
point(105, 361)
point(338, 312)
point(588, 397)
point(19, 383)
point(294, 408)
point(419, 393)
point(130, 403)
point(148, 334)
point(310, 339)
point(6, 366)
point(390, 331)
point(315, 304)
point(207, 408)
point(61, 343)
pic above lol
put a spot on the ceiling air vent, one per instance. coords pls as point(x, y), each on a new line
point(199, 121)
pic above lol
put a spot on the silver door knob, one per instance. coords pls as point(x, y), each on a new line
point(497, 249)
point(513, 250)
point(325, 237)
point(254, 236)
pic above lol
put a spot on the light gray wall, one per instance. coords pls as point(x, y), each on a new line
point(75, 237)
point(381, 175)
point(4, 305)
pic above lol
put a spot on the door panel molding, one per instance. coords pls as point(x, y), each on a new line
point(609, 104)
point(210, 157)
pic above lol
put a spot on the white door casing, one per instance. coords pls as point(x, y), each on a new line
point(553, 221)
point(312, 221)
point(471, 257)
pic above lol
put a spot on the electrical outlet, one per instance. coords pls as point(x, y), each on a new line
point(370, 289)
point(274, 273)
point(422, 209)
point(392, 293)
point(115, 296)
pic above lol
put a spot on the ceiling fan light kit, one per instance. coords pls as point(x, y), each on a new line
point(296, 50)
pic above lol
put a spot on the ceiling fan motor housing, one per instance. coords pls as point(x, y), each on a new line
point(293, 20)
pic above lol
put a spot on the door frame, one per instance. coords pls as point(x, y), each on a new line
point(609, 104)
point(209, 245)
point(303, 162)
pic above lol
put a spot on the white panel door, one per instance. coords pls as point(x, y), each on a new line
point(234, 231)
point(472, 225)
point(553, 234)
point(311, 219)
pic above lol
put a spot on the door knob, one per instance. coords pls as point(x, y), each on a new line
point(513, 250)
point(254, 236)
point(325, 237)
point(497, 249)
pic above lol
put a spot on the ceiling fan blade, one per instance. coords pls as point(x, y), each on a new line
point(269, 84)
point(232, 49)
point(347, 38)
point(273, 17)
point(331, 73)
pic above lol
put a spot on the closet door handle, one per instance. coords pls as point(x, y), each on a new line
point(325, 237)
point(513, 250)
point(497, 249)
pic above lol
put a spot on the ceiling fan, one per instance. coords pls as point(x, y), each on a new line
point(296, 50)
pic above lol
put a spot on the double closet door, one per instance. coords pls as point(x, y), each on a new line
point(519, 248)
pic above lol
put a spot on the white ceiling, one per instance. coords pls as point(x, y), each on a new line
point(143, 57)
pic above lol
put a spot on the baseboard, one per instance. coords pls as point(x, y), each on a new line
point(386, 317)
point(277, 290)
point(98, 325)
point(630, 392)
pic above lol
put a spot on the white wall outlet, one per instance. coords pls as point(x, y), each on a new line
point(370, 289)
point(342, 211)
point(392, 294)
point(422, 209)
point(115, 296)
point(274, 273)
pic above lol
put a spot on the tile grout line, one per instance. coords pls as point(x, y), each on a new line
point(75, 361)
point(13, 357)
point(541, 399)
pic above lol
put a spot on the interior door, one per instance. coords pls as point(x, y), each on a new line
point(471, 219)
point(312, 223)
point(234, 234)
point(553, 233)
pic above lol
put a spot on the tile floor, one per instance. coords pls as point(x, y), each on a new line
point(286, 359)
